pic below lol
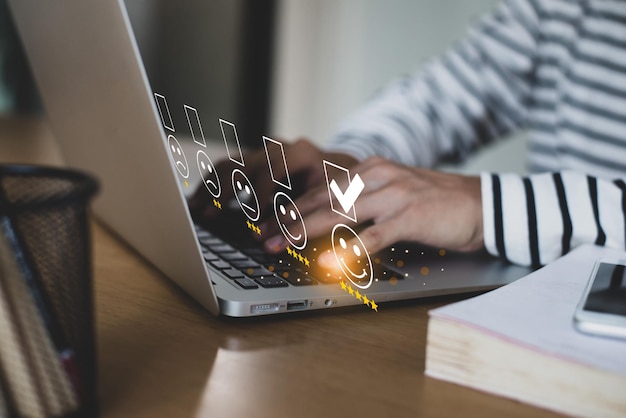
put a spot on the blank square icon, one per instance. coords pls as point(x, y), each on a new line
point(229, 132)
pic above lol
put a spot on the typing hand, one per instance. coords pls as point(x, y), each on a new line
point(403, 204)
point(304, 162)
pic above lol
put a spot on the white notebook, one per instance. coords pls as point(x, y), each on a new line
point(519, 341)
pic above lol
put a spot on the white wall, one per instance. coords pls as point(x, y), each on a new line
point(332, 55)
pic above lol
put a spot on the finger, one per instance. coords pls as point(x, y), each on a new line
point(313, 224)
point(320, 196)
point(371, 240)
point(320, 219)
point(288, 222)
point(313, 200)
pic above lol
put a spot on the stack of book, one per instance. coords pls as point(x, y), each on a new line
point(36, 376)
point(519, 341)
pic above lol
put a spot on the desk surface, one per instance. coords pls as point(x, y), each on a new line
point(162, 355)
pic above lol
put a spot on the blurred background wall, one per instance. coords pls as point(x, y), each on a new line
point(18, 93)
point(284, 68)
point(331, 56)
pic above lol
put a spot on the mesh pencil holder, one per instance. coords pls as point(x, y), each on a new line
point(45, 241)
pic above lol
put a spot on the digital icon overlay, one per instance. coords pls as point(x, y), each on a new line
point(164, 111)
point(359, 296)
point(245, 195)
point(287, 214)
point(352, 256)
point(178, 156)
point(229, 133)
point(274, 151)
point(345, 200)
point(194, 125)
point(208, 173)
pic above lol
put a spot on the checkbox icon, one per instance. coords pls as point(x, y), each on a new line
point(342, 200)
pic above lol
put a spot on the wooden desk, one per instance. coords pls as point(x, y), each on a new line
point(162, 355)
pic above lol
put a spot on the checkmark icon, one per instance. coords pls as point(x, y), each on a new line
point(347, 199)
point(342, 201)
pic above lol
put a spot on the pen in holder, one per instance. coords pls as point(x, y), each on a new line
point(47, 344)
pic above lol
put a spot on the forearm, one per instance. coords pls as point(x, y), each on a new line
point(474, 93)
point(533, 220)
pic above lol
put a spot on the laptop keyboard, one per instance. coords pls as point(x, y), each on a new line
point(251, 268)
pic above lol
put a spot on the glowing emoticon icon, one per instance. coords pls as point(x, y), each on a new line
point(286, 210)
point(352, 256)
point(180, 161)
point(209, 174)
point(246, 196)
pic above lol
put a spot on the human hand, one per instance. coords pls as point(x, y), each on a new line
point(405, 204)
point(304, 162)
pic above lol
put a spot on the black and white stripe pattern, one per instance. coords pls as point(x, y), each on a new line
point(554, 67)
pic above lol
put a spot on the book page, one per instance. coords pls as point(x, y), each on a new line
point(537, 311)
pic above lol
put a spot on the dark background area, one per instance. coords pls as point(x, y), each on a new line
point(214, 56)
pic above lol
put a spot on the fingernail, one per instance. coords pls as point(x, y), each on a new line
point(326, 259)
point(275, 244)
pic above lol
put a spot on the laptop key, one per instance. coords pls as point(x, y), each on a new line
point(210, 242)
point(265, 258)
point(271, 281)
point(219, 264)
point(247, 283)
point(232, 273)
point(235, 255)
point(244, 264)
point(209, 256)
point(258, 272)
point(222, 248)
point(299, 279)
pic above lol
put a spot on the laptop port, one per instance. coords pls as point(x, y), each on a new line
point(297, 305)
point(266, 307)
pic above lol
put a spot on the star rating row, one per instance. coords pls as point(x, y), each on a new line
point(359, 296)
point(217, 204)
point(253, 227)
point(296, 255)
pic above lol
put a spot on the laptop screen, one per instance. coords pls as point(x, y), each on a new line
point(242, 183)
point(272, 211)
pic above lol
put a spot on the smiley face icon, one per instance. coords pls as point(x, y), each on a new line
point(246, 196)
point(287, 213)
point(352, 256)
point(176, 151)
point(209, 174)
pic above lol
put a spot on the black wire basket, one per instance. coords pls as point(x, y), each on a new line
point(44, 219)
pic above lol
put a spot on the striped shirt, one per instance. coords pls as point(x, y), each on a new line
point(554, 67)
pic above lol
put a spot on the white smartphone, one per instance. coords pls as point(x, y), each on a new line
point(602, 309)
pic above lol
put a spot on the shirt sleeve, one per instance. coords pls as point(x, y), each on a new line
point(474, 93)
point(534, 220)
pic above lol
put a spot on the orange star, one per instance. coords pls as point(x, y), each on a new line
point(366, 301)
point(289, 251)
point(357, 295)
point(350, 290)
point(300, 258)
point(306, 262)
point(343, 285)
point(374, 306)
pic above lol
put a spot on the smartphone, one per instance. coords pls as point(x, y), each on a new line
point(602, 309)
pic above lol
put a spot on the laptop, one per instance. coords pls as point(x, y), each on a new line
point(108, 121)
